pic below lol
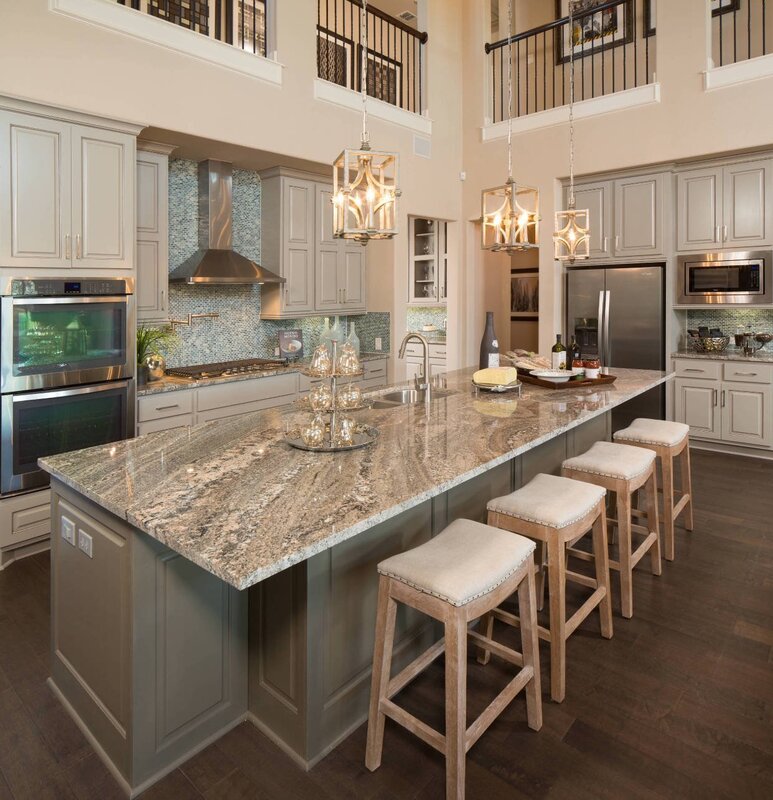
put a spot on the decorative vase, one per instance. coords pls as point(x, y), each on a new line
point(353, 339)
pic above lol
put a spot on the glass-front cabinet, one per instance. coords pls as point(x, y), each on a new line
point(428, 261)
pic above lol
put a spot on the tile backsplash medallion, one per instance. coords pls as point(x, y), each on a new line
point(425, 315)
point(239, 331)
point(729, 319)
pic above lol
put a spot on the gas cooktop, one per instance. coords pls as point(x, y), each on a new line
point(221, 368)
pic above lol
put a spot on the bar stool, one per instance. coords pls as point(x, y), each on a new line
point(454, 578)
point(557, 512)
point(623, 470)
point(669, 440)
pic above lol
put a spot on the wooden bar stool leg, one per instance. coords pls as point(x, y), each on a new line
point(626, 570)
point(601, 558)
point(557, 588)
point(651, 501)
point(684, 464)
point(540, 584)
point(456, 706)
point(668, 506)
point(382, 667)
point(530, 649)
point(487, 628)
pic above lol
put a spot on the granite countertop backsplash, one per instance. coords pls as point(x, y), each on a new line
point(171, 384)
point(233, 497)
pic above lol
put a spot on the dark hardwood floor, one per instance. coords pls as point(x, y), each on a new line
point(679, 704)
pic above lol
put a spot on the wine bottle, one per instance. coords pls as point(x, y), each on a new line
point(489, 345)
point(558, 355)
point(573, 352)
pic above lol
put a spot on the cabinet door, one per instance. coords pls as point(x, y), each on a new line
point(298, 245)
point(696, 403)
point(746, 414)
point(639, 216)
point(747, 204)
point(597, 198)
point(34, 192)
point(352, 278)
point(152, 237)
point(699, 211)
point(327, 266)
point(103, 209)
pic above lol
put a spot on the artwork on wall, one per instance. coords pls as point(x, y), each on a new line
point(524, 294)
point(593, 31)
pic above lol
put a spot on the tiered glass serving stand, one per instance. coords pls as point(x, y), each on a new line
point(362, 435)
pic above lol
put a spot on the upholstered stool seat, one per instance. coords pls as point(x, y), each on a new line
point(669, 441)
point(556, 512)
point(457, 577)
point(622, 469)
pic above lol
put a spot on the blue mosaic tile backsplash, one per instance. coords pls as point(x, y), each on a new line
point(425, 315)
point(239, 331)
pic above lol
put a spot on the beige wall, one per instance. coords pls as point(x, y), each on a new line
point(687, 123)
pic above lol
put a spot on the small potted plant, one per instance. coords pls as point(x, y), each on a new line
point(150, 362)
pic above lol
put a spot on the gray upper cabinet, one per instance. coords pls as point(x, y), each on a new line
point(323, 274)
point(728, 206)
point(597, 198)
point(66, 194)
point(152, 291)
point(639, 216)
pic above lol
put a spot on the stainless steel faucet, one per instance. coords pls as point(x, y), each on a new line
point(422, 381)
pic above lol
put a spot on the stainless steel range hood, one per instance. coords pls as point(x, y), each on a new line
point(216, 262)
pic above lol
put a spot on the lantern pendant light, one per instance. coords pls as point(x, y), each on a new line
point(365, 181)
point(510, 213)
point(572, 234)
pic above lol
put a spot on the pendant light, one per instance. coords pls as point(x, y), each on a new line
point(365, 181)
point(510, 213)
point(572, 235)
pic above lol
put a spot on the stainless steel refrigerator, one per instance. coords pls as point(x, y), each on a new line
point(618, 314)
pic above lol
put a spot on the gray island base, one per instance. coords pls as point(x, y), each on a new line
point(231, 577)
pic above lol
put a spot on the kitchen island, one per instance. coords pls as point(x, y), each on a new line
point(206, 575)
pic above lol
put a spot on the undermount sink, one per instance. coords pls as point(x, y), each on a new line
point(409, 397)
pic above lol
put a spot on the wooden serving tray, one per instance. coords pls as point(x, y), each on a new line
point(602, 380)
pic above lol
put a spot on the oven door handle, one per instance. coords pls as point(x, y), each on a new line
point(72, 391)
point(69, 300)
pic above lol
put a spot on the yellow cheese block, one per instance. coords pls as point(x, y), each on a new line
point(496, 376)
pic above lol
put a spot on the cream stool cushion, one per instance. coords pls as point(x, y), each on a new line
point(613, 460)
point(653, 431)
point(464, 561)
point(550, 500)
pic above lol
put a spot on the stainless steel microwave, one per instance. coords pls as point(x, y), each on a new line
point(737, 278)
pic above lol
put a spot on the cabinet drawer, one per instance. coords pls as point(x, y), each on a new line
point(165, 404)
point(164, 424)
point(373, 368)
point(436, 350)
point(748, 372)
point(25, 517)
point(279, 388)
point(698, 368)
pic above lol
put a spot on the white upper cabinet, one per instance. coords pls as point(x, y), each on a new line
point(152, 291)
point(67, 194)
point(597, 198)
point(35, 200)
point(727, 206)
point(639, 216)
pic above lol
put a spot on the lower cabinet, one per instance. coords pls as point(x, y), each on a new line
point(730, 402)
point(414, 360)
point(25, 520)
point(165, 410)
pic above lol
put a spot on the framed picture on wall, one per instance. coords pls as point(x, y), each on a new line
point(524, 294)
point(593, 31)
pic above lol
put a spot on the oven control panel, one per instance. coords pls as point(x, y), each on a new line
point(63, 287)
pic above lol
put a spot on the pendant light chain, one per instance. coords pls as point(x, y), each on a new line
point(364, 74)
point(510, 91)
point(571, 104)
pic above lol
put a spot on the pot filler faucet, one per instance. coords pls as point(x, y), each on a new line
point(422, 380)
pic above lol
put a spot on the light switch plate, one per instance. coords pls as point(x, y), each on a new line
point(378, 343)
point(68, 530)
point(85, 543)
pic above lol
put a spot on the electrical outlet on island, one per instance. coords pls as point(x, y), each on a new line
point(85, 543)
point(68, 530)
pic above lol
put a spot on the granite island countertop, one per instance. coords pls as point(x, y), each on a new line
point(764, 356)
point(169, 383)
point(234, 498)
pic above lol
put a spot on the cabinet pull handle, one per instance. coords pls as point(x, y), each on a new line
point(617, 242)
point(67, 248)
point(77, 245)
point(166, 408)
point(717, 234)
point(746, 374)
point(724, 233)
point(163, 299)
point(344, 291)
point(606, 244)
point(287, 296)
point(693, 369)
point(714, 392)
point(723, 398)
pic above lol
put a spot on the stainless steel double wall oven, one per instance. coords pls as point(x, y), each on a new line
point(67, 361)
